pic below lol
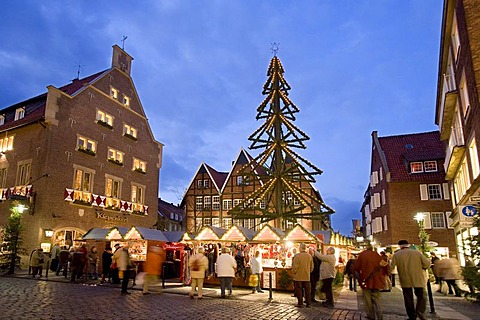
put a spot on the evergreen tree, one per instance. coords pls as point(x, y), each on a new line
point(283, 172)
point(12, 242)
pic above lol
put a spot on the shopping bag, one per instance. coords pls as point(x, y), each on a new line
point(253, 280)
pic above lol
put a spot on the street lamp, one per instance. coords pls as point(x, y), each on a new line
point(423, 236)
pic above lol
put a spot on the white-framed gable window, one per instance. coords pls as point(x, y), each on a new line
point(113, 186)
point(215, 202)
point(104, 117)
point(84, 143)
point(126, 101)
point(115, 156)
point(138, 193)
point(416, 167)
point(206, 183)
point(113, 93)
point(139, 165)
point(6, 143)
point(2, 119)
point(430, 166)
point(19, 113)
point(438, 220)
point(128, 130)
point(199, 203)
point(227, 204)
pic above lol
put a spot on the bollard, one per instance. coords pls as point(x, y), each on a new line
point(430, 296)
point(270, 291)
point(164, 268)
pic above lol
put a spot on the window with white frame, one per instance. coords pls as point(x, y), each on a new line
point(206, 183)
point(215, 202)
point(455, 37)
point(438, 220)
point(227, 223)
point(139, 165)
point(249, 223)
point(199, 223)
point(115, 155)
point(113, 186)
point(262, 204)
point(236, 202)
point(227, 204)
point(83, 179)
point(126, 101)
point(3, 177)
point(85, 143)
point(6, 143)
point(19, 113)
point(288, 225)
point(465, 100)
point(2, 119)
point(207, 221)
point(199, 203)
point(296, 202)
point(288, 197)
point(416, 167)
point(237, 222)
point(239, 180)
point(207, 202)
point(200, 184)
point(23, 172)
point(434, 192)
point(472, 149)
point(216, 222)
point(430, 166)
point(138, 193)
point(461, 180)
point(104, 117)
point(129, 130)
point(113, 92)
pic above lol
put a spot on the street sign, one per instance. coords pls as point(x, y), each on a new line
point(469, 211)
point(475, 198)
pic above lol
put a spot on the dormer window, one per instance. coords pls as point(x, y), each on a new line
point(430, 166)
point(416, 167)
point(113, 93)
point(19, 113)
point(126, 101)
point(2, 119)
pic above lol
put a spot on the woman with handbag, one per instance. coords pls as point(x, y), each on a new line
point(256, 268)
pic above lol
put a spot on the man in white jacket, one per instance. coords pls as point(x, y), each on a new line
point(327, 274)
point(226, 266)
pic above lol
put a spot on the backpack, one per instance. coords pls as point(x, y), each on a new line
point(195, 265)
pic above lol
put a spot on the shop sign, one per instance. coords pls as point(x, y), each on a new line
point(475, 198)
point(468, 211)
point(101, 215)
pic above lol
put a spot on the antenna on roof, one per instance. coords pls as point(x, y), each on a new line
point(123, 42)
point(274, 48)
point(79, 67)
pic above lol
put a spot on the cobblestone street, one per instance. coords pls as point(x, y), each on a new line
point(26, 298)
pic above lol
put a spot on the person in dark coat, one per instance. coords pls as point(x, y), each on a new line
point(369, 268)
point(106, 263)
point(63, 258)
point(77, 264)
point(352, 281)
point(314, 275)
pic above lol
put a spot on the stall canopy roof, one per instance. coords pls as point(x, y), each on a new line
point(236, 233)
point(138, 233)
point(177, 236)
point(209, 233)
point(105, 234)
point(269, 234)
point(299, 233)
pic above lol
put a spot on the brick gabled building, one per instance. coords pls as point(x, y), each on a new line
point(212, 194)
point(458, 111)
point(80, 156)
point(407, 178)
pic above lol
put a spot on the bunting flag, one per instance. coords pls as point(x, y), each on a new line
point(68, 195)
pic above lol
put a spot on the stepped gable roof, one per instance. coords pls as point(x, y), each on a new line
point(165, 208)
point(400, 150)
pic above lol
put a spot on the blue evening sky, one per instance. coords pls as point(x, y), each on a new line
point(354, 67)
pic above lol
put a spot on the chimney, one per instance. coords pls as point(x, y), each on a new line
point(121, 60)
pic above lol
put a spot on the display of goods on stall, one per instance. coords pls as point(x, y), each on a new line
point(139, 238)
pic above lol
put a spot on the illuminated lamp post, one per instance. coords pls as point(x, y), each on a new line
point(424, 237)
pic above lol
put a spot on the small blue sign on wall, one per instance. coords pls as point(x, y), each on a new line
point(469, 211)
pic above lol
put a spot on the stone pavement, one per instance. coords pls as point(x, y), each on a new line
point(175, 304)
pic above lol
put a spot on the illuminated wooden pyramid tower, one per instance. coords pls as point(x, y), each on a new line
point(286, 194)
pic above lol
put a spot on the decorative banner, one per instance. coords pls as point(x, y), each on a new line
point(68, 195)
